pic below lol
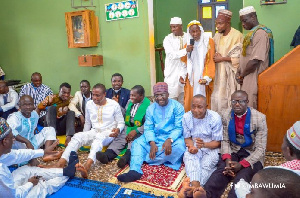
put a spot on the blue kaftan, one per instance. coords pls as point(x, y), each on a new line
point(162, 122)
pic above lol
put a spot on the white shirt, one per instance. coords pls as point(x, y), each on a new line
point(7, 186)
point(103, 117)
point(12, 100)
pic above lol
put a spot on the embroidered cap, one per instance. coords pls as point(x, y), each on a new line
point(176, 21)
point(225, 12)
point(293, 135)
point(4, 128)
point(247, 10)
point(160, 87)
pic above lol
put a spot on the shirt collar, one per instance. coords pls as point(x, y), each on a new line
point(239, 116)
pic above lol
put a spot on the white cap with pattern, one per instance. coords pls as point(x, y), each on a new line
point(247, 10)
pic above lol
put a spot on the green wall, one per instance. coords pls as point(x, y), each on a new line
point(164, 10)
point(282, 19)
point(33, 38)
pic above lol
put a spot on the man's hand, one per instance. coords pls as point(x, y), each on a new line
point(82, 121)
point(189, 48)
point(50, 149)
point(131, 135)
point(199, 143)
point(68, 139)
point(238, 77)
point(153, 150)
point(181, 80)
point(218, 58)
point(115, 98)
point(34, 180)
point(29, 145)
point(115, 133)
point(202, 82)
point(228, 169)
point(236, 166)
point(167, 146)
point(192, 149)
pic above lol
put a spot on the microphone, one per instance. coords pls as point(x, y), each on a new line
point(192, 42)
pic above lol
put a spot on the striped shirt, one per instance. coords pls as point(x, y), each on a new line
point(201, 165)
point(37, 93)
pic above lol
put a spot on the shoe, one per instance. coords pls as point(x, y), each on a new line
point(130, 176)
point(105, 157)
point(125, 159)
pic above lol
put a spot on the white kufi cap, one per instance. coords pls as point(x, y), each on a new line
point(247, 10)
point(176, 20)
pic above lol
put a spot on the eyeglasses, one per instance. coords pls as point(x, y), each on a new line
point(156, 96)
point(241, 102)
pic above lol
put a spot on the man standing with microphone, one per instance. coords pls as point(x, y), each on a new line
point(174, 68)
point(200, 65)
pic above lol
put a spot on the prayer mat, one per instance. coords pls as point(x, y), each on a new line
point(125, 192)
point(85, 188)
point(62, 140)
point(159, 180)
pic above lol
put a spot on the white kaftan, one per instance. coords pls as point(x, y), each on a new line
point(174, 67)
point(99, 121)
point(16, 185)
point(201, 165)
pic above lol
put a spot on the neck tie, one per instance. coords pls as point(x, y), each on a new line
point(5, 98)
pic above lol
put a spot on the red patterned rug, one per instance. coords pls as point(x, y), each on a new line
point(160, 180)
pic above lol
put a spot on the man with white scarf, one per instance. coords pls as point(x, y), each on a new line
point(228, 44)
point(174, 67)
point(200, 64)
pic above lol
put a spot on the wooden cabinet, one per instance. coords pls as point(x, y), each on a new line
point(90, 60)
point(82, 29)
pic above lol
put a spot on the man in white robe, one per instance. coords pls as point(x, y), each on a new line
point(27, 181)
point(174, 47)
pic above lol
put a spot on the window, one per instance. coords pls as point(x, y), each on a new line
point(208, 12)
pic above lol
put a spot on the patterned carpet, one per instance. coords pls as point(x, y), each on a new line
point(159, 180)
point(106, 172)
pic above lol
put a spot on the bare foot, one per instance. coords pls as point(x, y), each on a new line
point(199, 192)
point(60, 164)
point(53, 156)
point(33, 162)
point(82, 170)
point(186, 189)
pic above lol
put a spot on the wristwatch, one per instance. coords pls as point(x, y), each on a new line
point(171, 140)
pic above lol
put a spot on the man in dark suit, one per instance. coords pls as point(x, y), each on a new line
point(117, 92)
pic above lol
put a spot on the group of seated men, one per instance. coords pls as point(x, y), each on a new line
point(156, 133)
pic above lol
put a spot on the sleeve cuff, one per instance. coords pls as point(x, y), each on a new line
point(1, 109)
point(38, 153)
point(226, 156)
point(28, 186)
point(245, 163)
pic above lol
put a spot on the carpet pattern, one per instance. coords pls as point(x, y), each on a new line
point(159, 180)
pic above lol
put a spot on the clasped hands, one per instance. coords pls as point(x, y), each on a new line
point(167, 146)
point(232, 168)
point(199, 144)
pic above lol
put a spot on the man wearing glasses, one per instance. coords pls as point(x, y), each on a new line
point(243, 146)
point(162, 141)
